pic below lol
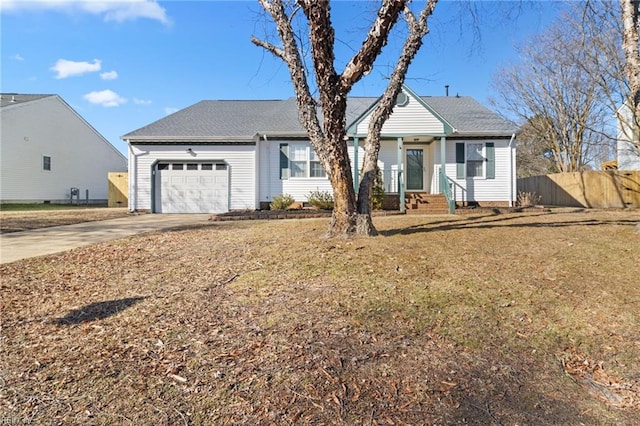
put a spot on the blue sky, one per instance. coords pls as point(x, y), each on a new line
point(124, 64)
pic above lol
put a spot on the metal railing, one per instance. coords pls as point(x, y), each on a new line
point(445, 188)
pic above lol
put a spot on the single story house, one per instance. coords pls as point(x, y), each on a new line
point(217, 156)
point(50, 154)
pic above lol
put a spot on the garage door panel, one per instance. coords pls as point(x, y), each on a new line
point(192, 191)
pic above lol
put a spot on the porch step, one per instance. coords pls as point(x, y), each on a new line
point(422, 203)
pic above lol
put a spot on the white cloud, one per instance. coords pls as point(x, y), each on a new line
point(66, 68)
point(110, 10)
point(141, 101)
point(110, 75)
point(17, 57)
point(170, 110)
point(106, 98)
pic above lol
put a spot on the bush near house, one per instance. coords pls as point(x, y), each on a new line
point(528, 199)
point(322, 200)
point(281, 202)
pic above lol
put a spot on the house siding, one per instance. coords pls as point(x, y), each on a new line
point(412, 118)
point(628, 155)
point(481, 189)
point(80, 157)
point(240, 158)
point(270, 183)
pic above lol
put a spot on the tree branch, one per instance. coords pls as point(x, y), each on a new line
point(276, 51)
point(377, 37)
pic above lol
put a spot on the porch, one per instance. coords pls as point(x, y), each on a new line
point(411, 171)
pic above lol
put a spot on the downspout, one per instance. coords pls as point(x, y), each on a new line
point(132, 178)
point(268, 154)
point(511, 167)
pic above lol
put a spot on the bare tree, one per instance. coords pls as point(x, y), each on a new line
point(552, 93)
point(601, 54)
point(533, 156)
point(630, 16)
point(328, 138)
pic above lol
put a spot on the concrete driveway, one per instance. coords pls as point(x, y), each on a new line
point(38, 242)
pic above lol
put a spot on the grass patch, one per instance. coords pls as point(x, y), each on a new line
point(11, 207)
point(22, 217)
point(500, 319)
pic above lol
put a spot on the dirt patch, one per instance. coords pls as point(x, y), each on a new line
point(439, 320)
point(14, 221)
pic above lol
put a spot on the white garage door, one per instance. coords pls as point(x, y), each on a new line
point(192, 187)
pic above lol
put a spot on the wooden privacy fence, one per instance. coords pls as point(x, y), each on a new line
point(118, 189)
point(608, 189)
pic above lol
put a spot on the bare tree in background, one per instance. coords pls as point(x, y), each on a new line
point(533, 157)
point(328, 139)
point(601, 54)
point(630, 16)
point(558, 100)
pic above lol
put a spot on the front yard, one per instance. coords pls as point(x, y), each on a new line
point(15, 218)
point(484, 319)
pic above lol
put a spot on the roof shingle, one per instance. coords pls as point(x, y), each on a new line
point(243, 119)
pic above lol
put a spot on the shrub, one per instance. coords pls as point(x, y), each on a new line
point(528, 199)
point(377, 195)
point(377, 198)
point(321, 199)
point(281, 202)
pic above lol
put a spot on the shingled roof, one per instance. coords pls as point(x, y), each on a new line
point(7, 99)
point(242, 120)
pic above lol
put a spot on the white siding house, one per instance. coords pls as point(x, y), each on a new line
point(628, 155)
point(47, 149)
point(242, 154)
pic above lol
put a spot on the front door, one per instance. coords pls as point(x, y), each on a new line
point(415, 169)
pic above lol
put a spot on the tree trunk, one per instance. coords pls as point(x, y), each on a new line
point(328, 140)
point(630, 40)
point(343, 220)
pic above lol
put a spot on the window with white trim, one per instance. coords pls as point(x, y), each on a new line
point(475, 160)
point(315, 166)
point(46, 163)
point(304, 162)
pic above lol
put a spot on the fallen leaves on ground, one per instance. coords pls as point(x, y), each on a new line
point(439, 320)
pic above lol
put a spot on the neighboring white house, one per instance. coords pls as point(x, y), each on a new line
point(217, 156)
point(628, 155)
point(47, 149)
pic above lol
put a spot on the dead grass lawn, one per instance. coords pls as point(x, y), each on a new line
point(14, 221)
point(505, 319)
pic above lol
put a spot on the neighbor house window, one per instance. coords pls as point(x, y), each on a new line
point(46, 162)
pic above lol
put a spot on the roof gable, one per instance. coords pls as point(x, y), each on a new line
point(414, 116)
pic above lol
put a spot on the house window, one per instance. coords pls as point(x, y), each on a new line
point(46, 163)
point(315, 167)
point(298, 160)
point(475, 160)
point(304, 162)
point(192, 166)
